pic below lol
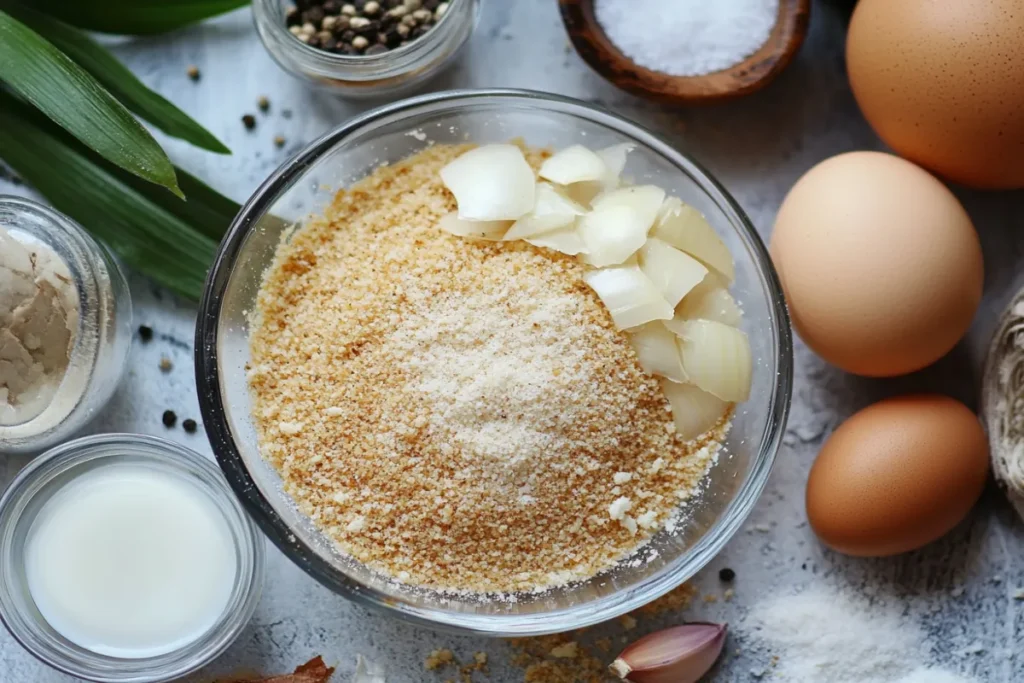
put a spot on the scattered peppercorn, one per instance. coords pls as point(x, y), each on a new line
point(726, 574)
point(169, 418)
point(362, 27)
point(193, 72)
point(145, 333)
point(249, 121)
point(189, 425)
point(279, 141)
point(165, 364)
point(263, 102)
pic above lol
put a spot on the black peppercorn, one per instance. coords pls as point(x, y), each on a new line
point(169, 418)
point(726, 574)
point(189, 425)
point(145, 333)
point(249, 121)
point(314, 15)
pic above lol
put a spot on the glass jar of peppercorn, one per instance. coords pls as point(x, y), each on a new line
point(365, 48)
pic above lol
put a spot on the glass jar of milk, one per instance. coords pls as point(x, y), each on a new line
point(126, 558)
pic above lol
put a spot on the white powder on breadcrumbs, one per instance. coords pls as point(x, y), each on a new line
point(838, 636)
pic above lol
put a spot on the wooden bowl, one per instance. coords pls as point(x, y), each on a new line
point(753, 73)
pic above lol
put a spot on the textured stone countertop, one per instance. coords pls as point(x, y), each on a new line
point(960, 589)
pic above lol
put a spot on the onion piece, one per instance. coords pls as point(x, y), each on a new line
point(629, 295)
point(617, 225)
point(551, 211)
point(491, 183)
point(565, 240)
point(717, 358)
point(674, 272)
point(694, 410)
point(657, 349)
point(614, 159)
point(710, 300)
point(574, 164)
point(683, 227)
point(490, 231)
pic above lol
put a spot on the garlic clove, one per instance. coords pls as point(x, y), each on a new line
point(681, 654)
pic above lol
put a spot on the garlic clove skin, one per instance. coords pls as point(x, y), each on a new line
point(681, 654)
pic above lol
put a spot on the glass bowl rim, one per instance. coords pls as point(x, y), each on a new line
point(496, 625)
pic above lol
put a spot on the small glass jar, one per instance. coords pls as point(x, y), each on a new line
point(43, 478)
point(99, 351)
point(394, 72)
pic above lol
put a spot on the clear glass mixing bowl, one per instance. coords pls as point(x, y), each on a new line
point(304, 185)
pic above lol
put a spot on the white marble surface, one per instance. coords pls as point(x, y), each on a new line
point(960, 589)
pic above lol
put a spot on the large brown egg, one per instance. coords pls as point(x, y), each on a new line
point(942, 82)
point(897, 475)
point(881, 266)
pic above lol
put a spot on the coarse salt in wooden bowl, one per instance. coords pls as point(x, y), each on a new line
point(753, 73)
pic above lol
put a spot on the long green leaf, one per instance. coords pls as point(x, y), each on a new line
point(135, 17)
point(118, 80)
point(62, 90)
point(148, 237)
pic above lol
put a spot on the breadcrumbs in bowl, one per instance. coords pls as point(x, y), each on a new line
point(461, 416)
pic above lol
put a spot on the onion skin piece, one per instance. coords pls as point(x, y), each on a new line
point(681, 654)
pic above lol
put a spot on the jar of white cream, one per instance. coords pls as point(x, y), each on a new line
point(65, 326)
point(126, 558)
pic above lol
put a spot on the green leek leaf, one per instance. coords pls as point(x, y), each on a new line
point(66, 93)
point(135, 17)
point(146, 235)
point(118, 80)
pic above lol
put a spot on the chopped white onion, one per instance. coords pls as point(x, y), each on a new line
point(491, 183)
point(551, 211)
point(629, 295)
point(685, 228)
point(717, 358)
point(574, 164)
point(674, 272)
point(566, 240)
point(491, 231)
point(646, 200)
point(710, 300)
point(693, 410)
point(617, 225)
point(657, 349)
point(614, 159)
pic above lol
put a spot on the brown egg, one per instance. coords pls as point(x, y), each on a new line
point(881, 266)
point(897, 475)
point(942, 82)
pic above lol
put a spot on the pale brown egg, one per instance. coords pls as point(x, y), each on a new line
point(942, 82)
point(881, 266)
point(897, 475)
